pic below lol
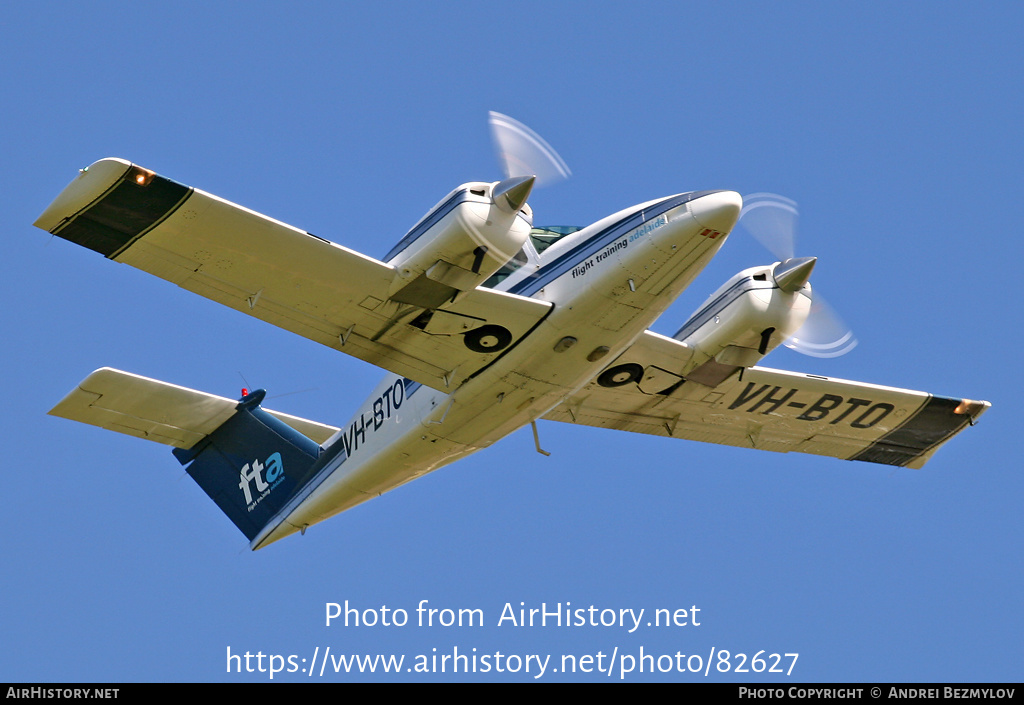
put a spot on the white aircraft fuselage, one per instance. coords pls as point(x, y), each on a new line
point(607, 282)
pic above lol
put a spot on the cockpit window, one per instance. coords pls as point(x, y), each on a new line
point(517, 261)
point(546, 236)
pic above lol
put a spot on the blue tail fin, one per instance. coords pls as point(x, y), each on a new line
point(251, 465)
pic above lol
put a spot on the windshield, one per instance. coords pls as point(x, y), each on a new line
point(545, 236)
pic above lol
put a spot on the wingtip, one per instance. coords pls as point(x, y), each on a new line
point(973, 409)
point(88, 185)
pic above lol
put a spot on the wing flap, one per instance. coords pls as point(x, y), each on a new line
point(774, 410)
point(275, 272)
point(158, 411)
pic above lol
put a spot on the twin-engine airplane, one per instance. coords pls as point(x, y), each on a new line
point(485, 324)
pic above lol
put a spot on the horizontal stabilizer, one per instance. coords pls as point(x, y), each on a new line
point(158, 411)
point(248, 460)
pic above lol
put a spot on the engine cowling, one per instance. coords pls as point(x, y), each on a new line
point(746, 318)
point(461, 242)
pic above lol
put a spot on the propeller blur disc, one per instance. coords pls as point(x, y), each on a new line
point(823, 334)
point(772, 220)
point(522, 152)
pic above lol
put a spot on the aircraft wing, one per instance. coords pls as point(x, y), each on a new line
point(158, 411)
point(771, 410)
point(277, 273)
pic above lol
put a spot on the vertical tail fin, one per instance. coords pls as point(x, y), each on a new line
point(251, 465)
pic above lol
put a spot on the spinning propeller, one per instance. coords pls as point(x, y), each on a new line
point(522, 152)
point(772, 220)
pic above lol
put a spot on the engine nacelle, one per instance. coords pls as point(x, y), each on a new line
point(461, 241)
point(748, 317)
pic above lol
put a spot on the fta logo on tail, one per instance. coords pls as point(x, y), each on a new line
point(253, 474)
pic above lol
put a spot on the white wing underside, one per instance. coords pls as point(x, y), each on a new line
point(340, 298)
point(771, 410)
point(277, 273)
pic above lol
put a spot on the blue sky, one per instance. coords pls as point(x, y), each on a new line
point(896, 126)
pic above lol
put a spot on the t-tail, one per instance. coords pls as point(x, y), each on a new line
point(249, 460)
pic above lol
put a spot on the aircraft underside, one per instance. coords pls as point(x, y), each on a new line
point(484, 325)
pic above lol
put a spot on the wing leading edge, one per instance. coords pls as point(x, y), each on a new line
point(771, 410)
point(278, 273)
